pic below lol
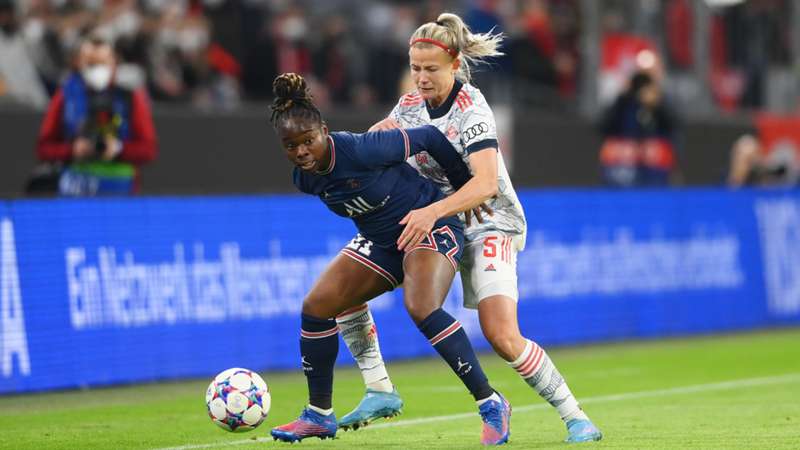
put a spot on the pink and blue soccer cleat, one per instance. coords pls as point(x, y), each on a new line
point(375, 405)
point(582, 430)
point(309, 424)
point(496, 421)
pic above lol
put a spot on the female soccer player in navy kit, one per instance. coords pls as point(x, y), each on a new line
point(365, 177)
point(440, 53)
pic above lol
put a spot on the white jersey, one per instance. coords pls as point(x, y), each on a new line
point(468, 122)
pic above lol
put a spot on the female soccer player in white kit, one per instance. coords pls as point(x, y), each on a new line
point(440, 54)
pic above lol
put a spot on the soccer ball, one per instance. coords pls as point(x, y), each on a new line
point(238, 400)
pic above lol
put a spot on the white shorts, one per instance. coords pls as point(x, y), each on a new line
point(489, 267)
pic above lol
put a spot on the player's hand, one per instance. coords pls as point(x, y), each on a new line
point(113, 148)
point(385, 124)
point(82, 149)
point(477, 212)
point(418, 223)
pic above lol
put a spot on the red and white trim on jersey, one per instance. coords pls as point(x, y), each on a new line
point(452, 252)
point(380, 270)
point(444, 334)
point(429, 243)
point(406, 142)
point(530, 363)
point(319, 334)
point(333, 158)
point(349, 313)
point(411, 99)
point(463, 100)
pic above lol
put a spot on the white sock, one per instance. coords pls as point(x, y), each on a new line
point(358, 330)
point(324, 412)
point(494, 397)
point(538, 370)
point(382, 385)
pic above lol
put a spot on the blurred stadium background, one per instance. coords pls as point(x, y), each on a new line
point(207, 267)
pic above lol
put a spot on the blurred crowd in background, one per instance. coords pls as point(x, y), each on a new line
point(636, 68)
point(217, 54)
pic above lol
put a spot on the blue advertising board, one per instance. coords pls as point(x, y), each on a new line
point(104, 291)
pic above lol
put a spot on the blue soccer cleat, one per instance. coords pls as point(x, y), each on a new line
point(309, 424)
point(375, 405)
point(582, 430)
point(496, 421)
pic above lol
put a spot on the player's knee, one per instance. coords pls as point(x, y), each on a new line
point(314, 306)
point(505, 342)
point(418, 310)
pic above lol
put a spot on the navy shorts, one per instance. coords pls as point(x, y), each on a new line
point(445, 238)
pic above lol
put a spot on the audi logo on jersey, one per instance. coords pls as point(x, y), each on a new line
point(475, 131)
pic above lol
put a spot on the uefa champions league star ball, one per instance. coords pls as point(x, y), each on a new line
point(238, 400)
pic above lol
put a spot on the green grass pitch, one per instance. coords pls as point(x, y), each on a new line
point(728, 392)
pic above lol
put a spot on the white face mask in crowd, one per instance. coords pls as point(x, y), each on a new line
point(97, 77)
point(294, 28)
point(193, 39)
point(127, 24)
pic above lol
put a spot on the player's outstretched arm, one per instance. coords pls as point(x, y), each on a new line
point(481, 187)
point(428, 138)
point(470, 193)
point(385, 148)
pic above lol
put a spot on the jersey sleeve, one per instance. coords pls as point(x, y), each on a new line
point(430, 139)
point(395, 114)
point(377, 149)
point(478, 129)
point(386, 148)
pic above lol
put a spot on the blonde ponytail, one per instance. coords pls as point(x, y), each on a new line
point(456, 37)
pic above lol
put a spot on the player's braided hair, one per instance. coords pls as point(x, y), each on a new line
point(472, 48)
point(292, 99)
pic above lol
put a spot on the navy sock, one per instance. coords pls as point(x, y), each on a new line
point(448, 338)
point(319, 345)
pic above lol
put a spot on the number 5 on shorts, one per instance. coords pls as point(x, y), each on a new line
point(489, 247)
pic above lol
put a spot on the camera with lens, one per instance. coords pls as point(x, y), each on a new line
point(100, 121)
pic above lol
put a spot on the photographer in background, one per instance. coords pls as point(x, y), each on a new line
point(768, 155)
point(99, 130)
point(639, 136)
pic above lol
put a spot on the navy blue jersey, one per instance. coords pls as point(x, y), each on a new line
point(369, 181)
